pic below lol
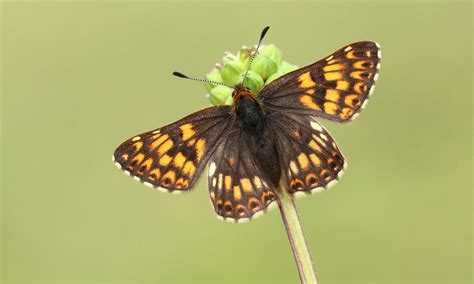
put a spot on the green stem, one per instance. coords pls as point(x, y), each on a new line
point(292, 223)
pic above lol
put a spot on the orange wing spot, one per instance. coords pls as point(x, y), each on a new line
point(227, 182)
point(306, 81)
point(125, 157)
point(333, 61)
point(342, 85)
point(332, 95)
point(161, 139)
point(294, 168)
point(321, 142)
point(315, 160)
point(360, 88)
point(315, 146)
point(231, 161)
point(267, 197)
point(360, 64)
point(165, 160)
point(308, 102)
point(138, 158)
point(350, 55)
point(189, 169)
point(297, 184)
point(246, 185)
point(258, 182)
point(191, 142)
point(179, 160)
point(154, 174)
point(182, 183)
point(352, 100)
point(220, 181)
point(333, 67)
point(165, 147)
point(332, 165)
point(241, 210)
point(200, 147)
point(303, 161)
point(228, 208)
point(168, 178)
point(368, 54)
point(253, 204)
point(310, 91)
point(361, 75)
point(218, 205)
point(346, 112)
point(330, 107)
point(326, 176)
point(187, 131)
point(237, 193)
point(311, 180)
point(332, 76)
point(147, 163)
point(212, 195)
point(138, 145)
point(154, 137)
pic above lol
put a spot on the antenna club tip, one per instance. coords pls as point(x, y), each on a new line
point(179, 74)
point(264, 31)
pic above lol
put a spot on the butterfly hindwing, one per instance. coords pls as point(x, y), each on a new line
point(308, 154)
point(173, 157)
point(238, 187)
point(335, 88)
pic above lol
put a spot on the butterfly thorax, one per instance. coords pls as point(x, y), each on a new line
point(248, 110)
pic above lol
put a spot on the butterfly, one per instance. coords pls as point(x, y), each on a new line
point(263, 141)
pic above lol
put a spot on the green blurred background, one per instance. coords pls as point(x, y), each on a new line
point(80, 77)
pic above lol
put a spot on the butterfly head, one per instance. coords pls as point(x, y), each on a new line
point(240, 91)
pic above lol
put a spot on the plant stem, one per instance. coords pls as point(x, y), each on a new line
point(292, 223)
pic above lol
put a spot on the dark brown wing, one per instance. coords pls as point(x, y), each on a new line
point(335, 88)
point(173, 157)
point(308, 155)
point(238, 187)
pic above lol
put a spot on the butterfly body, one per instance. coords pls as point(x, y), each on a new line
point(262, 140)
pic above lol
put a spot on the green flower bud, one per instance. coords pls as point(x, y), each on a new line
point(214, 75)
point(272, 52)
point(253, 81)
point(229, 57)
point(220, 94)
point(287, 67)
point(267, 66)
point(244, 54)
point(264, 65)
point(231, 72)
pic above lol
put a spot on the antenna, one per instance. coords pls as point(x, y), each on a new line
point(181, 75)
point(262, 35)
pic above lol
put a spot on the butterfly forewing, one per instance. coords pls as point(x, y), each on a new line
point(334, 88)
point(238, 187)
point(172, 157)
point(308, 155)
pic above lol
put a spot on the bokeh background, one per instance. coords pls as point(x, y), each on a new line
point(80, 77)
